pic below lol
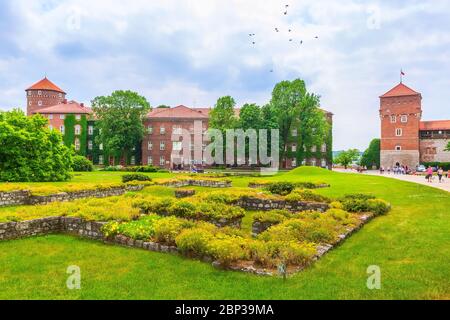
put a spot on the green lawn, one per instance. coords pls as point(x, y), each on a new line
point(411, 245)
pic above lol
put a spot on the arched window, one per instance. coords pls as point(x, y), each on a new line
point(77, 129)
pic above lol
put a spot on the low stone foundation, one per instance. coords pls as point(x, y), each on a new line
point(25, 197)
point(259, 227)
point(269, 204)
point(184, 193)
point(197, 183)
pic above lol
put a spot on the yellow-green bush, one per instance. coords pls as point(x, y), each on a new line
point(167, 229)
point(306, 195)
point(194, 240)
point(227, 249)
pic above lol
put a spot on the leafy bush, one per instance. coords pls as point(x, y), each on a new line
point(357, 196)
point(141, 229)
point(320, 230)
point(194, 240)
point(306, 195)
point(146, 169)
point(182, 209)
point(297, 253)
point(281, 188)
point(30, 152)
point(228, 249)
point(167, 229)
point(336, 205)
point(135, 177)
point(273, 216)
point(82, 164)
point(378, 206)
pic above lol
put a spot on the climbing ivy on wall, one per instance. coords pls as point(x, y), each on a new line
point(70, 122)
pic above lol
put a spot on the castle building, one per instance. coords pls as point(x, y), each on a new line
point(77, 124)
point(405, 138)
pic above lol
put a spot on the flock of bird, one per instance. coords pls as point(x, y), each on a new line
point(286, 7)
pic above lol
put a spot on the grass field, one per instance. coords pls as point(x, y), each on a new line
point(411, 245)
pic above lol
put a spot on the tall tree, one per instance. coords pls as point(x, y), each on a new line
point(250, 117)
point(295, 108)
point(346, 157)
point(371, 157)
point(223, 116)
point(312, 125)
point(448, 147)
point(120, 120)
point(30, 151)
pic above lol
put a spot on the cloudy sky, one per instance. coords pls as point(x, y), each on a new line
point(192, 52)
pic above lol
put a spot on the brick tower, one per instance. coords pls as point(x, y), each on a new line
point(400, 113)
point(43, 94)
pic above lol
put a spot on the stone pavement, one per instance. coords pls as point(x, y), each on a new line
point(411, 178)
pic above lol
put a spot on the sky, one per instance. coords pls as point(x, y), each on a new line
point(193, 52)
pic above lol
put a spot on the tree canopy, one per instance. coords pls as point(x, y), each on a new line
point(30, 152)
point(295, 108)
point(346, 157)
point(222, 116)
point(120, 120)
point(448, 147)
point(371, 157)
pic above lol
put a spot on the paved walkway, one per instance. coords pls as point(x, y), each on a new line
point(411, 178)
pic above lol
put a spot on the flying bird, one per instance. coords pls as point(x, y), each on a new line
point(316, 37)
point(276, 29)
point(301, 41)
point(285, 13)
point(290, 39)
point(290, 30)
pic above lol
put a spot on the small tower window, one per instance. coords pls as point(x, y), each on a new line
point(393, 119)
point(398, 132)
point(404, 118)
point(398, 148)
point(39, 103)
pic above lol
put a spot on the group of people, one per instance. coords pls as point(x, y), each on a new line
point(397, 169)
point(440, 174)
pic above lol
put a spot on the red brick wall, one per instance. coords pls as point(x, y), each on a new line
point(156, 138)
point(398, 106)
point(48, 99)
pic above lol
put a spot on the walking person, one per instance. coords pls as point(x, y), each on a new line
point(440, 173)
point(429, 176)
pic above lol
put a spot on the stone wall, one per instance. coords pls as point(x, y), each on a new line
point(44, 226)
point(432, 150)
point(25, 197)
point(259, 227)
point(269, 204)
point(409, 158)
point(197, 183)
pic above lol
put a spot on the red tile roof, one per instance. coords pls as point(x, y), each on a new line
point(45, 84)
point(66, 108)
point(399, 91)
point(435, 125)
point(177, 112)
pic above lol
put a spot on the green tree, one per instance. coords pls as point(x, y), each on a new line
point(222, 116)
point(296, 108)
point(120, 121)
point(250, 117)
point(448, 147)
point(30, 151)
point(371, 157)
point(346, 157)
point(163, 106)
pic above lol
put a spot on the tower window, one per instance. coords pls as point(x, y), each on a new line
point(62, 129)
point(398, 148)
point(150, 146)
point(398, 132)
point(91, 130)
point(149, 160)
point(39, 103)
point(162, 160)
point(77, 129)
point(162, 146)
point(393, 119)
point(39, 93)
point(404, 118)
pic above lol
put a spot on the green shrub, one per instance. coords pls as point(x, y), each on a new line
point(141, 229)
point(378, 206)
point(183, 209)
point(336, 205)
point(194, 240)
point(280, 188)
point(306, 195)
point(297, 253)
point(30, 152)
point(82, 164)
point(357, 196)
point(146, 169)
point(273, 216)
point(167, 229)
point(320, 230)
point(228, 249)
point(135, 177)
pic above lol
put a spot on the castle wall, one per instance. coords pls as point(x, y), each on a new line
point(432, 150)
